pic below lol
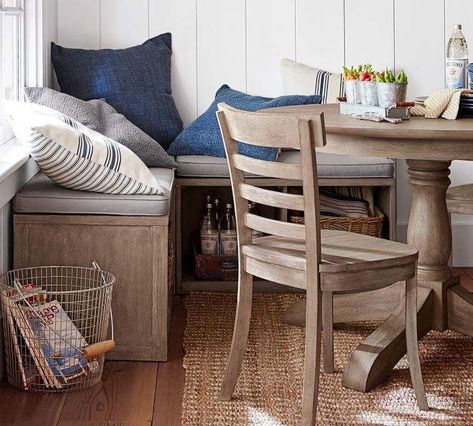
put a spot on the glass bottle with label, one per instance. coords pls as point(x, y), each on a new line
point(228, 235)
point(456, 75)
point(208, 231)
point(218, 219)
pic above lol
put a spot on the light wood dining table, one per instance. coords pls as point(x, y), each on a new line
point(428, 146)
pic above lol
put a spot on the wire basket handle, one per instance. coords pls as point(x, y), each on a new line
point(98, 268)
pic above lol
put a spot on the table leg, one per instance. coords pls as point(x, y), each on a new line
point(429, 230)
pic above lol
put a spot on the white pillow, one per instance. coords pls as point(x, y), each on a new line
point(77, 157)
point(300, 79)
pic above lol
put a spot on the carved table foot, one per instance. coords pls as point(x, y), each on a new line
point(373, 361)
point(460, 310)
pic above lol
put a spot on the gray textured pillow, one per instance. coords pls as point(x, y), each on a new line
point(101, 117)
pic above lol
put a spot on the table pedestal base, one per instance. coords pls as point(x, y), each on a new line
point(374, 305)
point(376, 356)
point(460, 310)
point(373, 361)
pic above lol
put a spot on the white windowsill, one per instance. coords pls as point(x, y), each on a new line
point(16, 168)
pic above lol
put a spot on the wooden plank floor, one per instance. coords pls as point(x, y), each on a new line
point(131, 393)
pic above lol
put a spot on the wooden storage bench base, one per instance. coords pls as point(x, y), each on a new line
point(133, 248)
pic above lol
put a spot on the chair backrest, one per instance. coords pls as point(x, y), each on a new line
point(280, 131)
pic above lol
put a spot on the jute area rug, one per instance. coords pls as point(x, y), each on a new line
point(269, 387)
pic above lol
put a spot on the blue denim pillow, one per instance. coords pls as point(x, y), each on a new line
point(202, 137)
point(135, 81)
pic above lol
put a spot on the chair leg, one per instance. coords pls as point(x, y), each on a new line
point(412, 343)
point(240, 334)
point(327, 325)
point(312, 355)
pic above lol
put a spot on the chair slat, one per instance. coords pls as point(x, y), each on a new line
point(269, 169)
point(262, 129)
point(275, 227)
point(271, 198)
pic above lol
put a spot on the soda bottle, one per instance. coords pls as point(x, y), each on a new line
point(457, 60)
point(228, 235)
point(208, 231)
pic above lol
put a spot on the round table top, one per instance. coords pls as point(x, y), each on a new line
point(417, 138)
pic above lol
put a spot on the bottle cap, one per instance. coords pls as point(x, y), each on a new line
point(228, 206)
point(209, 205)
point(457, 26)
point(216, 201)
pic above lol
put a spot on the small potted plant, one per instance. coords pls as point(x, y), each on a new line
point(391, 89)
point(352, 90)
point(367, 86)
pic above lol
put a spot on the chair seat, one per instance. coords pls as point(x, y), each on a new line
point(460, 199)
point(328, 165)
point(342, 253)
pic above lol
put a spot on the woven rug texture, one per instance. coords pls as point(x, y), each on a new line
point(269, 388)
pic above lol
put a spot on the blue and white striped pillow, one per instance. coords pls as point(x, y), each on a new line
point(300, 79)
point(79, 158)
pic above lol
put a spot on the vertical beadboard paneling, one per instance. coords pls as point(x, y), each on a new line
point(79, 23)
point(369, 32)
point(123, 23)
point(221, 48)
point(320, 34)
point(270, 37)
point(179, 18)
point(421, 56)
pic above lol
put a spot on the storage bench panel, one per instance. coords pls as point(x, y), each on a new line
point(134, 249)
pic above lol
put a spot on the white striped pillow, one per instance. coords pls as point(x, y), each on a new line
point(300, 79)
point(77, 157)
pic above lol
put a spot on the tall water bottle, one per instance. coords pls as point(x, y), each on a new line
point(457, 60)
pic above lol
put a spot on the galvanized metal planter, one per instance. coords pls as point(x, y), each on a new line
point(352, 91)
point(368, 92)
point(391, 93)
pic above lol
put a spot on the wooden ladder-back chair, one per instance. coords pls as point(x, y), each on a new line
point(303, 256)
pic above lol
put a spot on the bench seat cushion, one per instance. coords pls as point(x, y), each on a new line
point(42, 195)
point(329, 165)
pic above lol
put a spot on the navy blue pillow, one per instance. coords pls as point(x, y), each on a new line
point(202, 137)
point(135, 81)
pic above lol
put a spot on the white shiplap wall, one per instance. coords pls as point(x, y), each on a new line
point(240, 42)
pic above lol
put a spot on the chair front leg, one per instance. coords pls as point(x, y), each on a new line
point(412, 343)
point(327, 320)
point(240, 334)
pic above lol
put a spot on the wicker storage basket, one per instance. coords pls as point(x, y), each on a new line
point(372, 226)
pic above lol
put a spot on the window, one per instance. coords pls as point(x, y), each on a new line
point(12, 56)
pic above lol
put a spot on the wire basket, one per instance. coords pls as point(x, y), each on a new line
point(55, 322)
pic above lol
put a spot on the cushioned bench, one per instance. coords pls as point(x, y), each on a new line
point(328, 165)
point(127, 235)
point(42, 195)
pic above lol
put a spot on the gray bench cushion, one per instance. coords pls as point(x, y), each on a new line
point(42, 195)
point(329, 165)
